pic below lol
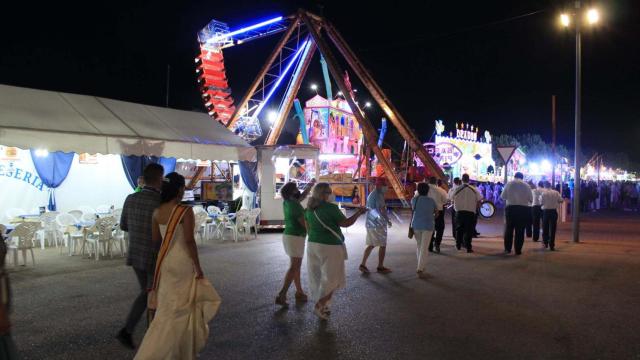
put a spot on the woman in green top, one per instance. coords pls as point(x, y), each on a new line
point(295, 231)
point(326, 252)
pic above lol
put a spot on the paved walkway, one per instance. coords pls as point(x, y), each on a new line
point(580, 302)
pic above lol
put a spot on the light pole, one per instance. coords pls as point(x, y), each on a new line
point(592, 16)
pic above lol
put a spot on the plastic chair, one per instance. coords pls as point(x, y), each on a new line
point(213, 227)
point(67, 223)
point(252, 221)
point(50, 232)
point(88, 217)
point(21, 239)
point(77, 214)
point(103, 209)
point(100, 237)
point(201, 217)
point(87, 210)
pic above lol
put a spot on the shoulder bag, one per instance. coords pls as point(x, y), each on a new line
point(413, 214)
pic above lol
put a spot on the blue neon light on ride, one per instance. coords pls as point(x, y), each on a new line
point(279, 81)
point(245, 29)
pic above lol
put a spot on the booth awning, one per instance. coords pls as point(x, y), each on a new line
point(56, 121)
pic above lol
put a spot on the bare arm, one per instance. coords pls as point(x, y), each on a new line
point(306, 191)
point(124, 226)
point(351, 220)
point(188, 225)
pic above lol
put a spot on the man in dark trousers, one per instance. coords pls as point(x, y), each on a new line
point(518, 197)
point(439, 196)
point(137, 214)
point(465, 201)
point(536, 209)
point(550, 201)
point(456, 183)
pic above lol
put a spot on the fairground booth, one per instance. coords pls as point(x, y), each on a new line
point(63, 152)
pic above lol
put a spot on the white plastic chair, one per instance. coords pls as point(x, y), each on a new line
point(21, 239)
point(201, 217)
point(75, 236)
point(77, 214)
point(87, 210)
point(252, 221)
point(14, 213)
point(100, 237)
point(88, 217)
point(103, 209)
point(213, 227)
point(50, 232)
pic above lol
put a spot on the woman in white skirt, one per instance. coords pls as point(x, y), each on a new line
point(295, 231)
point(423, 222)
point(326, 251)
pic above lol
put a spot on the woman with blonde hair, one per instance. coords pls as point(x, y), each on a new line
point(326, 251)
point(293, 239)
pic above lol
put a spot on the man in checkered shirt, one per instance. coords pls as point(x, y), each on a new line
point(137, 214)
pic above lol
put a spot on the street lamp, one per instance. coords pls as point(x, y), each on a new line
point(314, 87)
point(592, 16)
point(367, 104)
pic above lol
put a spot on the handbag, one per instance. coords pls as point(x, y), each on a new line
point(152, 296)
point(344, 247)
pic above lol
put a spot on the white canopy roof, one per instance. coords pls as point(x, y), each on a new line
point(56, 121)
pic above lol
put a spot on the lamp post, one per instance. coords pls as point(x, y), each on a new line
point(592, 16)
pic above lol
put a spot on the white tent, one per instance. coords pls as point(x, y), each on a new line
point(56, 121)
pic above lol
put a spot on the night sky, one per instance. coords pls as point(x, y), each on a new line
point(458, 61)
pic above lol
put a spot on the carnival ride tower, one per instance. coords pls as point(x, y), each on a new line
point(303, 34)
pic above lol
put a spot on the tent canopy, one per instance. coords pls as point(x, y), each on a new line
point(56, 121)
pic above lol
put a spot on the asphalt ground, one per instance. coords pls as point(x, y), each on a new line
point(580, 302)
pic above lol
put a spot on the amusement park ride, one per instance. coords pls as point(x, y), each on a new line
point(337, 125)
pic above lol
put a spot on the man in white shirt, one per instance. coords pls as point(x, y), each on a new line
point(550, 200)
point(439, 196)
point(465, 201)
point(518, 198)
point(456, 183)
point(536, 210)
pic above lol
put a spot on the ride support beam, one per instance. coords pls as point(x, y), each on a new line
point(369, 131)
point(196, 177)
point(295, 22)
point(383, 101)
point(278, 124)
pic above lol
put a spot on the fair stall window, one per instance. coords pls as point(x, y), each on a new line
point(300, 171)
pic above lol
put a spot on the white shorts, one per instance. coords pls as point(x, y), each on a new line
point(293, 245)
point(326, 269)
point(377, 236)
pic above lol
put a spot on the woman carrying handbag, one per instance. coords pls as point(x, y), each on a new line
point(422, 224)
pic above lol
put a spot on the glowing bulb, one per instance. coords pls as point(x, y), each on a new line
point(339, 93)
point(545, 165)
point(564, 20)
point(593, 16)
point(314, 87)
point(272, 116)
point(42, 153)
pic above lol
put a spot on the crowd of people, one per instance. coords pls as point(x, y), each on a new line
point(619, 195)
point(179, 301)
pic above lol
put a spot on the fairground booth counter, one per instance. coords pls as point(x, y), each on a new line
point(66, 151)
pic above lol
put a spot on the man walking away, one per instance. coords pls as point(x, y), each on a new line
point(518, 197)
point(456, 183)
point(137, 214)
point(550, 201)
point(465, 201)
point(536, 209)
point(439, 196)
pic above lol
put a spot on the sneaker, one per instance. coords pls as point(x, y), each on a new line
point(125, 339)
